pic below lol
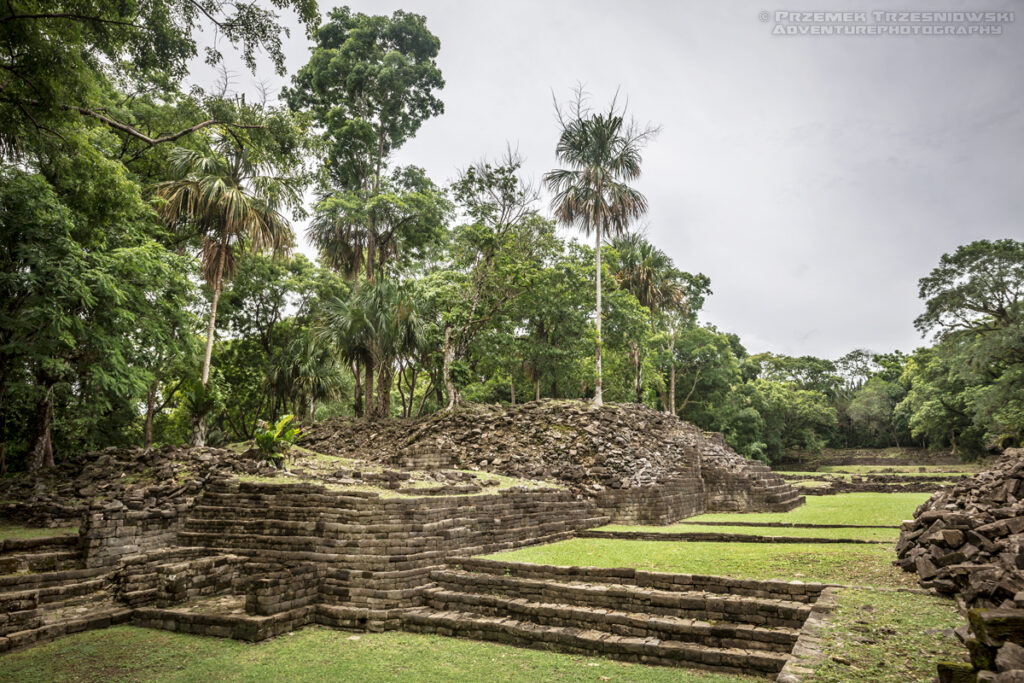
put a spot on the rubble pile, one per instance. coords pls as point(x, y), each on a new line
point(614, 446)
point(968, 540)
point(62, 494)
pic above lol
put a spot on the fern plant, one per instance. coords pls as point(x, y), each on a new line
point(275, 441)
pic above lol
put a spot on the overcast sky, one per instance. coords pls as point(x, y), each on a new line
point(814, 178)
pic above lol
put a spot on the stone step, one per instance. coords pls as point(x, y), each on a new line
point(22, 545)
point(26, 581)
point(46, 561)
point(684, 604)
point(592, 642)
point(58, 594)
point(635, 624)
point(224, 617)
point(62, 624)
point(792, 591)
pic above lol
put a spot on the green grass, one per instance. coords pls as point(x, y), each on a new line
point(900, 469)
point(19, 532)
point(842, 473)
point(810, 484)
point(798, 532)
point(125, 653)
point(845, 508)
point(864, 565)
point(888, 637)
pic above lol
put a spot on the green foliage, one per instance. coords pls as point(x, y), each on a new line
point(65, 56)
point(979, 287)
point(380, 232)
point(275, 441)
point(78, 314)
point(968, 390)
point(369, 85)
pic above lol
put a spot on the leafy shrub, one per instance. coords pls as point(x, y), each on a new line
point(275, 441)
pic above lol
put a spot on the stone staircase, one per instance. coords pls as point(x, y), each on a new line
point(52, 553)
point(45, 592)
point(741, 485)
point(674, 620)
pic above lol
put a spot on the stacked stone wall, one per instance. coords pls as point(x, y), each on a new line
point(664, 503)
point(112, 531)
point(736, 484)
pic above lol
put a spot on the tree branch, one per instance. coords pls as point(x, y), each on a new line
point(69, 16)
point(152, 142)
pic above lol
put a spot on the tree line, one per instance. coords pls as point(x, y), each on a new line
point(150, 292)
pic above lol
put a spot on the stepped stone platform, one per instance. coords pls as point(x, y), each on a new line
point(253, 560)
point(215, 544)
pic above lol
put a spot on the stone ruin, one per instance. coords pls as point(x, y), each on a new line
point(968, 541)
point(191, 540)
point(637, 465)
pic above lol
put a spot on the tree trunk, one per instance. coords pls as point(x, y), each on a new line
point(672, 388)
point(385, 378)
point(357, 391)
point(147, 427)
point(672, 373)
point(637, 377)
point(41, 452)
point(598, 400)
point(536, 389)
point(199, 431)
point(454, 399)
point(512, 390)
point(368, 395)
point(423, 400)
point(218, 280)
point(199, 428)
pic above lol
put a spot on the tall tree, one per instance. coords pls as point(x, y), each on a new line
point(230, 197)
point(369, 85)
point(602, 153)
point(492, 259)
point(649, 274)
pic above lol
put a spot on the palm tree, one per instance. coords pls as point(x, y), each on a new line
point(230, 198)
point(602, 154)
point(375, 327)
point(305, 373)
point(649, 274)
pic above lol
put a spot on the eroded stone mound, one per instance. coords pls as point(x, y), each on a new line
point(151, 478)
point(969, 539)
point(615, 446)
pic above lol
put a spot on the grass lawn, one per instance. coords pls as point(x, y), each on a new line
point(841, 473)
point(810, 484)
point(844, 508)
point(126, 653)
point(863, 565)
point(17, 531)
point(900, 469)
point(800, 532)
point(888, 636)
